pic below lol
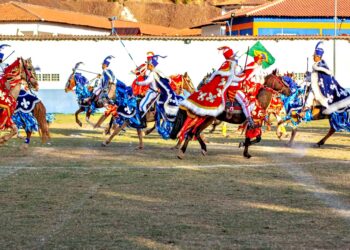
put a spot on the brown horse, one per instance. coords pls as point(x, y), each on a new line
point(264, 97)
point(18, 73)
point(76, 79)
point(183, 82)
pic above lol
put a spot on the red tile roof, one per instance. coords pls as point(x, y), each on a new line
point(21, 12)
point(240, 2)
point(294, 8)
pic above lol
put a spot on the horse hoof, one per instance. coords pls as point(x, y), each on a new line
point(248, 156)
point(180, 155)
point(241, 144)
point(104, 144)
point(139, 148)
point(204, 152)
point(317, 145)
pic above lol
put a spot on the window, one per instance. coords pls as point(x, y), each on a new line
point(299, 76)
point(38, 77)
point(55, 77)
point(46, 77)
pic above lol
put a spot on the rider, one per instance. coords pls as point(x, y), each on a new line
point(324, 87)
point(254, 72)
point(151, 80)
point(107, 77)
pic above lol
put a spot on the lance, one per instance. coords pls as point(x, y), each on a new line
point(8, 56)
point(150, 106)
point(114, 32)
point(87, 71)
point(246, 60)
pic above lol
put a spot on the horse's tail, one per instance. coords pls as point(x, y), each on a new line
point(40, 114)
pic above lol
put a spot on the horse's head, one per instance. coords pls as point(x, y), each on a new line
point(71, 83)
point(276, 83)
point(22, 71)
point(188, 84)
point(29, 74)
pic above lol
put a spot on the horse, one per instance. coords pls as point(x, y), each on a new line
point(80, 84)
point(20, 72)
point(182, 85)
point(273, 85)
point(30, 114)
point(339, 121)
point(163, 122)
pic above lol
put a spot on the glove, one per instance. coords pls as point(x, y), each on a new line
point(251, 123)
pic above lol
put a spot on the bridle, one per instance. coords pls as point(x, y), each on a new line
point(283, 83)
point(28, 73)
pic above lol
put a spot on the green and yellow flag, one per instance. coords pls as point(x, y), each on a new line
point(257, 49)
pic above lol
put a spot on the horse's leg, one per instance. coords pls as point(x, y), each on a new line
point(178, 145)
point(291, 140)
point(87, 119)
point(25, 145)
point(77, 116)
point(100, 121)
point(198, 132)
point(13, 132)
point(148, 131)
point(116, 131)
point(108, 129)
point(182, 150)
point(247, 143)
point(329, 134)
point(140, 135)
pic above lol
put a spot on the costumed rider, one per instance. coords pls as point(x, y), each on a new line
point(141, 73)
point(324, 87)
point(152, 79)
point(254, 72)
point(235, 89)
point(107, 77)
point(3, 65)
point(210, 99)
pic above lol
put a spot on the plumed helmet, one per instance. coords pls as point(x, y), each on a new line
point(149, 54)
point(227, 52)
point(107, 60)
point(318, 49)
point(154, 60)
point(2, 46)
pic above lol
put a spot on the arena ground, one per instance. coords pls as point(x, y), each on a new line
point(74, 194)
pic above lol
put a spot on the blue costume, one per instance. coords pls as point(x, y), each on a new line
point(324, 87)
point(107, 77)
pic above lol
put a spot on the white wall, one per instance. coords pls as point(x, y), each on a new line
point(35, 27)
point(197, 58)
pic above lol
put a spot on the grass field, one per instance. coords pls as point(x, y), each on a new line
point(74, 194)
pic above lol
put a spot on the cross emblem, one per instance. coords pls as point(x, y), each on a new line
point(2, 95)
point(25, 103)
point(223, 82)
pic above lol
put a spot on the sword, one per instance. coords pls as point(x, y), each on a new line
point(87, 71)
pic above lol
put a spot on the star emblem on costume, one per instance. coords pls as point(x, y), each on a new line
point(223, 82)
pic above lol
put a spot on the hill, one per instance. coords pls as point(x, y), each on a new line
point(176, 13)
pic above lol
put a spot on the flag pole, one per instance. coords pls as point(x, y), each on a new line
point(246, 60)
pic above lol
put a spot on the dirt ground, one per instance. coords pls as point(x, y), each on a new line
point(75, 194)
